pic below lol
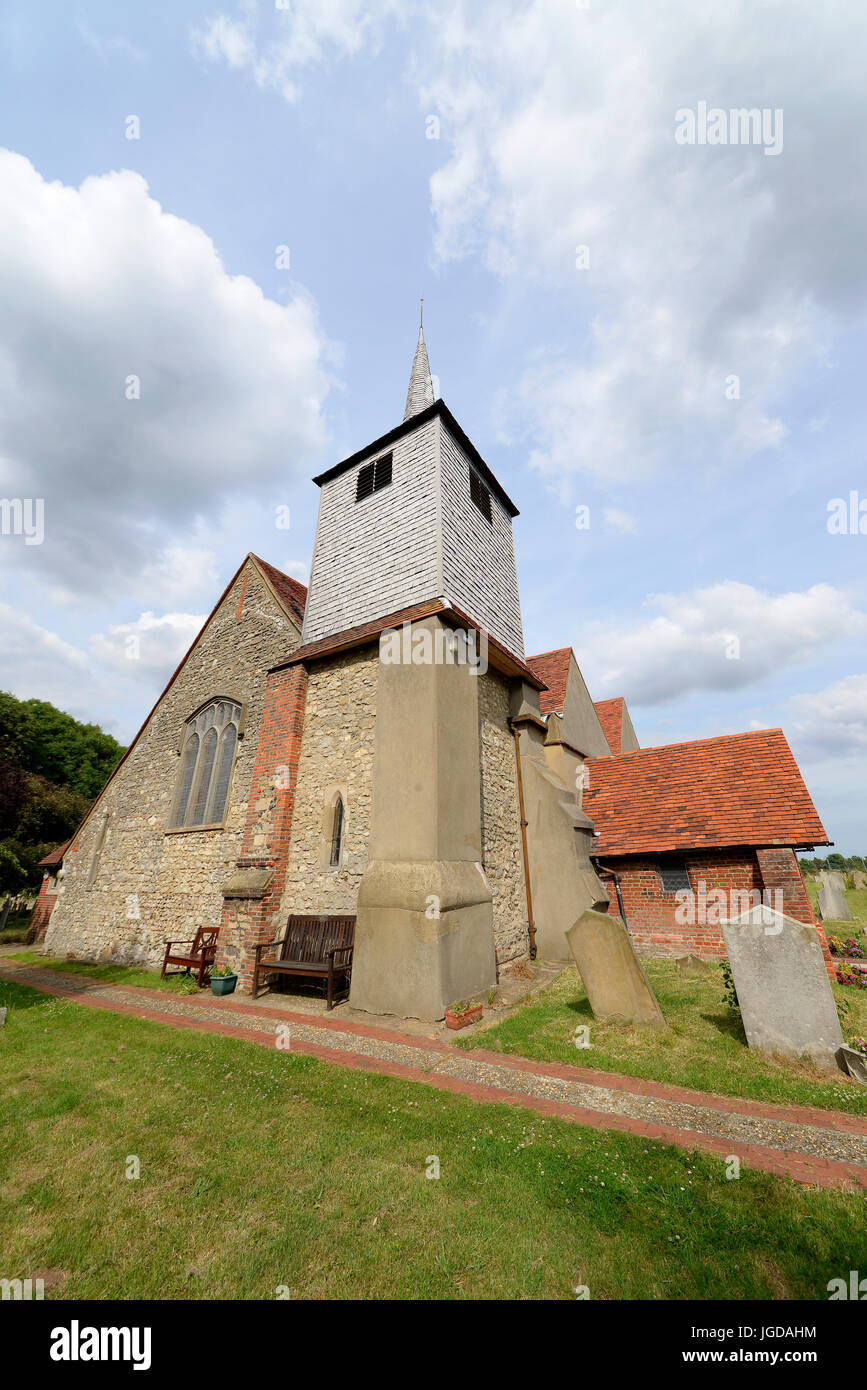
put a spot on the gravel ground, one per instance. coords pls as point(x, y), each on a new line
point(782, 1134)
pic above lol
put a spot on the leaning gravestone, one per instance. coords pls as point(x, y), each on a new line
point(782, 986)
point(692, 965)
point(616, 985)
point(833, 907)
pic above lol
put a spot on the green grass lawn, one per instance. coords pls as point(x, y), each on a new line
point(109, 973)
point(14, 930)
point(704, 1046)
point(262, 1169)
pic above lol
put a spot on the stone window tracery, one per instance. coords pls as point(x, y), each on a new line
point(207, 757)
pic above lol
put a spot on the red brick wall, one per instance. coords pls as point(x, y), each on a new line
point(41, 913)
point(650, 913)
point(269, 819)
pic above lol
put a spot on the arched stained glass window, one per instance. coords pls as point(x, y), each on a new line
point(207, 758)
point(185, 781)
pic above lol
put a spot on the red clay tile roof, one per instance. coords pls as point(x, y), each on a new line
point(553, 669)
point(55, 856)
point(611, 718)
point(289, 591)
point(742, 789)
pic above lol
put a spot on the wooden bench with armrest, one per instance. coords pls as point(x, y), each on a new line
point(316, 947)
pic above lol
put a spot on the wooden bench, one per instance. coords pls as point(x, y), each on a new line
point(317, 947)
point(199, 957)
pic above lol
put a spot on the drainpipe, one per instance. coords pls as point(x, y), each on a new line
point(531, 926)
point(601, 868)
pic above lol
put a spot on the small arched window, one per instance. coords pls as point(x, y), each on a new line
point(207, 756)
point(337, 831)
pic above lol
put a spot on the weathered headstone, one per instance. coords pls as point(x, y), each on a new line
point(2, 1017)
point(833, 907)
point(692, 965)
point(615, 982)
point(859, 879)
point(832, 878)
point(853, 1062)
point(782, 986)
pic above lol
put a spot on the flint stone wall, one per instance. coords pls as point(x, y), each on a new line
point(502, 852)
point(172, 880)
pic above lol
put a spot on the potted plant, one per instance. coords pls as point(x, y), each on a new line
point(223, 980)
point(463, 1013)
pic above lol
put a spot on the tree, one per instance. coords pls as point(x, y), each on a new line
point(13, 876)
point(51, 769)
point(836, 861)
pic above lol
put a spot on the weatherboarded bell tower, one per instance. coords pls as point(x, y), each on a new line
point(414, 536)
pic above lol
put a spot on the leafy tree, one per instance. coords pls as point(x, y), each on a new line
point(13, 876)
point(51, 769)
point(836, 861)
point(39, 738)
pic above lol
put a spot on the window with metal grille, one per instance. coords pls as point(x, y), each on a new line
point(372, 477)
point(207, 758)
point(673, 874)
point(337, 831)
point(480, 495)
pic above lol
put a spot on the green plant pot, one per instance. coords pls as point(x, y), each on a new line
point(223, 984)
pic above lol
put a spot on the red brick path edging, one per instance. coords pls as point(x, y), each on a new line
point(801, 1167)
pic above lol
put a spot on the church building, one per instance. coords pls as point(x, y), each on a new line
point(380, 747)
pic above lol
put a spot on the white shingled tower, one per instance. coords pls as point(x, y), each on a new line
point(416, 515)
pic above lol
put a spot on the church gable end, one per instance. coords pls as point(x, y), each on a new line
point(152, 857)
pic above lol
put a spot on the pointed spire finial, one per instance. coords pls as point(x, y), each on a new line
point(421, 393)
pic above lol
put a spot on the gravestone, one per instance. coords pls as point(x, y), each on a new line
point(832, 878)
point(853, 1062)
point(611, 972)
point(859, 879)
point(782, 985)
point(833, 907)
point(692, 965)
point(2, 1017)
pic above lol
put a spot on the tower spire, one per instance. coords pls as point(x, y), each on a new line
point(421, 393)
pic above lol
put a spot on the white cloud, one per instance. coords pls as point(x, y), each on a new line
point(705, 263)
point(833, 720)
point(724, 637)
point(152, 645)
point(617, 520)
point(99, 284)
point(303, 33)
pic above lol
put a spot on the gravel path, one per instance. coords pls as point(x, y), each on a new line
point(844, 1144)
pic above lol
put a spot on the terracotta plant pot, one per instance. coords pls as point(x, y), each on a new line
point(465, 1019)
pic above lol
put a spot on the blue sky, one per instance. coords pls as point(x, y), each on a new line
point(707, 588)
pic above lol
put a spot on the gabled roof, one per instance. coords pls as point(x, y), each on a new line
point(553, 669)
point(288, 593)
point(363, 633)
point(55, 856)
point(611, 718)
point(291, 594)
point(741, 789)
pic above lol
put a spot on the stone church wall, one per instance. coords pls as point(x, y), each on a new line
point(501, 820)
point(150, 884)
point(336, 756)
